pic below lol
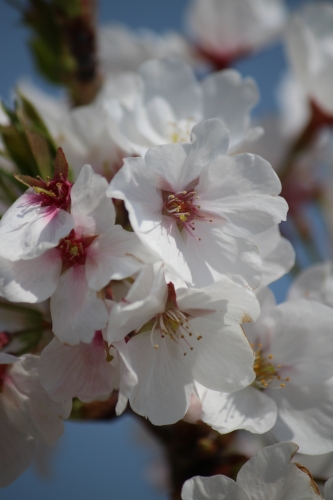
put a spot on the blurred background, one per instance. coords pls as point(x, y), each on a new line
point(114, 460)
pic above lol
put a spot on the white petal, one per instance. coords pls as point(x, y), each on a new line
point(222, 359)
point(165, 383)
point(212, 253)
point(16, 450)
point(227, 96)
point(146, 298)
point(27, 230)
point(135, 184)
point(247, 409)
point(28, 406)
point(90, 207)
point(32, 280)
point(243, 190)
point(7, 359)
point(114, 256)
point(128, 378)
point(300, 336)
point(270, 475)
point(80, 371)
point(276, 253)
point(305, 416)
point(233, 302)
point(75, 309)
point(212, 488)
point(314, 284)
point(175, 82)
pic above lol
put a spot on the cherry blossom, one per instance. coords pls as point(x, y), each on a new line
point(269, 474)
point(309, 41)
point(224, 30)
point(27, 415)
point(182, 335)
point(83, 262)
point(171, 101)
point(315, 283)
point(289, 392)
point(123, 50)
point(40, 217)
point(197, 207)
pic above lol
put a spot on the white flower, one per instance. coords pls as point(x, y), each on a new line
point(310, 48)
point(267, 475)
point(40, 217)
point(83, 262)
point(197, 207)
point(293, 345)
point(315, 283)
point(171, 101)
point(124, 50)
point(27, 415)
point(182, 335)
point(226, 29)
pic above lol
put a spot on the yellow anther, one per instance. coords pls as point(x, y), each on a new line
point(43, 191)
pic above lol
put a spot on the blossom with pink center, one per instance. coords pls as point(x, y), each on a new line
point(309, 40)
point(290, 392)
point(197, 207)
point(224, 30)
point(83, 262)
point(181, 336)
point(27, 415)
point(40, 217)
point(267, 475)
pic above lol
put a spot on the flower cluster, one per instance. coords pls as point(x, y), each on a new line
point(139, 268)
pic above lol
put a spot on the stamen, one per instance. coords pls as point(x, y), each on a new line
point(266, 372)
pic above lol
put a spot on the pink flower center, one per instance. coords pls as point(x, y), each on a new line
point(73, 249)
point(55, 192)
